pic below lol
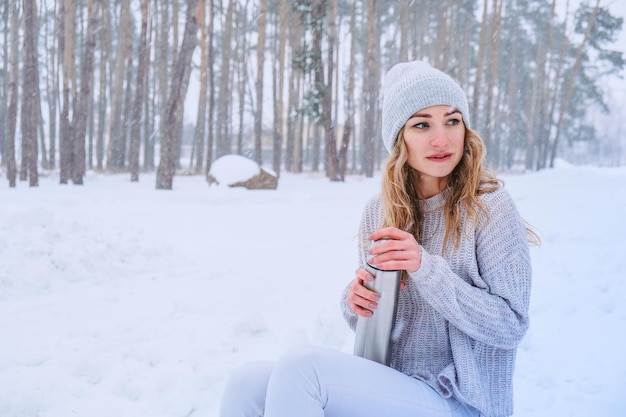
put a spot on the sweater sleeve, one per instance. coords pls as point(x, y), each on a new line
point(492, 306)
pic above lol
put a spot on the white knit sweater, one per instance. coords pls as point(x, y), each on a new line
point(463, 313)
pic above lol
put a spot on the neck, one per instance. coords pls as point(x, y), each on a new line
point(427, 186)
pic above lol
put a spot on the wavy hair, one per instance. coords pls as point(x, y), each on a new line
point(467, 182)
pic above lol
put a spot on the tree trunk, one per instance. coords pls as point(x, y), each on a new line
point(105, 42)
point(209, 149)
point(349, 123)
point(30, 95)
point(163, 53)
point(223, 141)
point(370, 92)
point(242, 54)
point(4, 86)
point(280, 78)
point(200, 131)
point(13, 92)
point(332, 157)
point(480, 65)
point(135, 129)
point(86, 83)
point(167, 164)
point(67, 40)
point(115, 147)
point(492, 79)
point(260, 58)
point(52, 86)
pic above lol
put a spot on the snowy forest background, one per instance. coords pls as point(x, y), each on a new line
point(137, 85)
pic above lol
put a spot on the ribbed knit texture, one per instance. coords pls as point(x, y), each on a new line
point(413, 86)
point(463, 313)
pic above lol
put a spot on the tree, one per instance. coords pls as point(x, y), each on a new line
point(370, 93)
point(66, 48)
point(86, 85)
point(116, 145)
point(199, 136)
point(279, 78)
point(135, 130)
point(30, 96)
point(222, 121)
point(210, 139)
point(169, 142)
point(13, 93)
point(260, 57)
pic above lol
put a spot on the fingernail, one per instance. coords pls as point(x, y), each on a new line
point(376, 297)
point(373, 305)
point(369, 277)
point(368, 314)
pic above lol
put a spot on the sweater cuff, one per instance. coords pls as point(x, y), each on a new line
point(424, 270)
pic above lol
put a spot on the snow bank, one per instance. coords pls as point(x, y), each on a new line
point(116, 299)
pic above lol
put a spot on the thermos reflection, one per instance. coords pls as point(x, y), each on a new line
point(373, 334)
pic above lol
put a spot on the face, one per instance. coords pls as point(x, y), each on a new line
point(434, 139)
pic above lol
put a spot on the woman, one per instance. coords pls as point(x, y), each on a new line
point(463, 306)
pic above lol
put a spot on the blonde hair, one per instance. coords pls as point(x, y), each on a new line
point(467, 182)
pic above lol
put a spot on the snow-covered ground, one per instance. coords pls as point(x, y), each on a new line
point(120, 300)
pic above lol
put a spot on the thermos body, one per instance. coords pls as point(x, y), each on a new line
point(373, 334)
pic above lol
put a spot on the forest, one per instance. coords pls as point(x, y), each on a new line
point(134, 86)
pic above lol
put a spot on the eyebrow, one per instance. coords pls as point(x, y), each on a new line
point(426, 115)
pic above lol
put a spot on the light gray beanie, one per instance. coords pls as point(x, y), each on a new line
point(413, 86)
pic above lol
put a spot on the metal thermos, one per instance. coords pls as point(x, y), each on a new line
point(373, 334)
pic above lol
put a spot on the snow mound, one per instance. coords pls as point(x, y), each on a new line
point(232, 169)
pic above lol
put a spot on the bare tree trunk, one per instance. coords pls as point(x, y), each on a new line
point(492, 78)
point(242, 54)
point(105, 41)
point(163, 53)
point(293, 152)
point(135, 129)
point(349, 123)
point(260, 58)
point(280, 77)
point(332, 158)
point(52, 89)
point(201, 117)
point(167, 164)
point(209, 149)
point(318, 12)
point(115, 147)
point(480, 65)
point(223, 141)
point(66, 42)
point(81, 112)
point(13, 92)
point(4, 87)
point(30, 92)
point(371, 92)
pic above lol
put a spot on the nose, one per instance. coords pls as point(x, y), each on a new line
point(439, 139)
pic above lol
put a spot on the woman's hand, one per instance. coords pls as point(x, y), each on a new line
point(400, 250)
point(362, 300)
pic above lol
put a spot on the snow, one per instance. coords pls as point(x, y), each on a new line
point(118, 299)
point(231, 169)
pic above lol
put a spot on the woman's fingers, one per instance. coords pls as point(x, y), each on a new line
point(394, 249)
point(362, 300)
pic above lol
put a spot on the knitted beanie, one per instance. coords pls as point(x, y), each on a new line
point(413, 86)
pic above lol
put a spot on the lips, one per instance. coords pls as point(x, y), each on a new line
point(439, 157)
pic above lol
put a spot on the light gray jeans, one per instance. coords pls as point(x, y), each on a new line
point(317, 382)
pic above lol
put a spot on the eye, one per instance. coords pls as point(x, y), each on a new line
point(421, 125)
point(453, 122)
